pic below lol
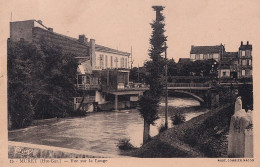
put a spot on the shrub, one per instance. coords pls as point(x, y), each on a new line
point(178, 118)
point(124, 144)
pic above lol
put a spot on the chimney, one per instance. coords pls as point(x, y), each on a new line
point(82, 38)
point(92, 52)
point(50, 29)
point(39, 21)
point(247, 43)
point(241, 43)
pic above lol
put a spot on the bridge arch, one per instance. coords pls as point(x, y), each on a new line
point(201, 100)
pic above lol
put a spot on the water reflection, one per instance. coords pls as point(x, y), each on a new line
point(98, 132)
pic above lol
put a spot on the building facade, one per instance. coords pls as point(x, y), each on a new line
point(207, 52)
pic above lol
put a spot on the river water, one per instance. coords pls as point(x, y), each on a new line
point(98, 132)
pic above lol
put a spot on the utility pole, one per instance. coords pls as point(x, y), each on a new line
point(166, 87)
point(131, 58)
point(138, 73)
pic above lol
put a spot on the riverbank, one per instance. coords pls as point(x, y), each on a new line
point(202, 136)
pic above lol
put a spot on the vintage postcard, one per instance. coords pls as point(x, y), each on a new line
point(129, 83)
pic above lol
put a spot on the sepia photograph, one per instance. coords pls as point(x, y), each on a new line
point(87, 82)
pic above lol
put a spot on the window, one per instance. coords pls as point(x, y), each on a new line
point(88, 79)
point(197, 56)
point(248, 53)
point(249, 62)
point(111, 62)
point(243, 72)
point(101, 61)
point(125, 62)
point(210, 56)
point(224, 73)
point(205, 56)
point(116, 62)
point(122, 62)
point(244, 62)
point(106, 61)
point(243, 53)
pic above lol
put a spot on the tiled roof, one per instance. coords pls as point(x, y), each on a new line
point(109, 50)
point(206, 49)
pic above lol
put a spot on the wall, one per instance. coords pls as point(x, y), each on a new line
point(21, 29)
point(98, 65)
point(68, 45)
point(216, 56)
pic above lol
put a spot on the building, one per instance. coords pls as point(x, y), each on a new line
point(245, 60)
point(92, 58)
point(207, 52)
point(235, 65)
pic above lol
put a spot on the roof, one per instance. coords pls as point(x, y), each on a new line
point(85, 68)
point(245, 47)
point(101, 48)
point(97, 47)
point(230, 55)
point(184, 60)
point(206, 49)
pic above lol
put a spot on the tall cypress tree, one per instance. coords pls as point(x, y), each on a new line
point(150, 101)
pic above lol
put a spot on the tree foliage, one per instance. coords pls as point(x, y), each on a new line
point(149, 102)
point(40, 82)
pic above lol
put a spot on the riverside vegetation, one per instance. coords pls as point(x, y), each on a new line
point(40, 82)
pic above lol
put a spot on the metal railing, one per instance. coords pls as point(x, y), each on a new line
point(87, 86)
point(188, 85)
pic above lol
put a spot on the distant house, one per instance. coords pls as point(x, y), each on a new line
point(231, 64)
point(228, 66)
point(207, 52)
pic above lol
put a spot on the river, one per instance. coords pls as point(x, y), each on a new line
point(98, 132)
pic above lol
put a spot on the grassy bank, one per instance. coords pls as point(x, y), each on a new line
point(202, 136)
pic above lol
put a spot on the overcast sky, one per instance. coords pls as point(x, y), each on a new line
point(120, 24)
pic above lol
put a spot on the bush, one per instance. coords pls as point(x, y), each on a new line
point(178, 118)
point(162, 128)
point(124, 144)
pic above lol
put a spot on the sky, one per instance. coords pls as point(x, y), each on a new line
point(122, 24)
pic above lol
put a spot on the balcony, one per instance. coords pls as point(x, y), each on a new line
point(87, 86)
point(132, 86)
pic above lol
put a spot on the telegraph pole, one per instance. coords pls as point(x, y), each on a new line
point(166, 88)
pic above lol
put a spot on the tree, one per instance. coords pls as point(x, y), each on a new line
point(20, 94)
point(155, 68)
point(40, 82)
point(55, 96)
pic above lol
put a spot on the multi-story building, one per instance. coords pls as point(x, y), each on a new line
point(245, 60)
point(92, 58)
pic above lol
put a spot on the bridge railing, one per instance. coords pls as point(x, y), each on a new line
point(188, 85)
